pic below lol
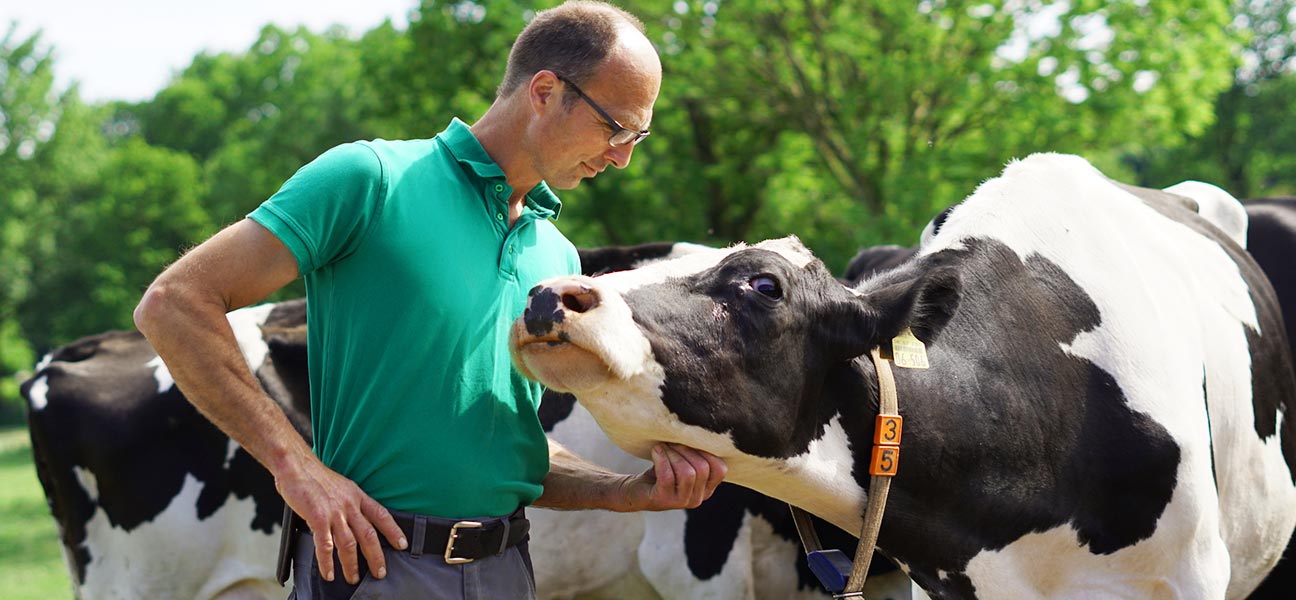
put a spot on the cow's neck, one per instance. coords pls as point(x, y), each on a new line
point(830, 480)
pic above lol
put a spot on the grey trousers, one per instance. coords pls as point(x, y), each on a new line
point(508, 576)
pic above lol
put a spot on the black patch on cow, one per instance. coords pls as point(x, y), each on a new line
point(1271, 241)
point(554, 408)
point(875, 259)
point(609, 259)
point(938, 222)
point(543, 311)
point(711, 529)
point(1008, 435)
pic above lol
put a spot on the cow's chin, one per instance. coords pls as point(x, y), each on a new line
point(564, 367)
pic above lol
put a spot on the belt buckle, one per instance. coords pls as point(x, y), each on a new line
point(450, 542)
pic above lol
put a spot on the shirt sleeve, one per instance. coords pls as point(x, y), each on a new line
point(324, 210)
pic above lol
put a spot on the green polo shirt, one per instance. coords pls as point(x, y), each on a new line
point(413, 278)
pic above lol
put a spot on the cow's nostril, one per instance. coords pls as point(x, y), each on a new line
point(581, 300)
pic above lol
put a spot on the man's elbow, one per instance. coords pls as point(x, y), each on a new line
point(158, 301)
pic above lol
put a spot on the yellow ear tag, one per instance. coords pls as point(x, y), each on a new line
point(908, 352)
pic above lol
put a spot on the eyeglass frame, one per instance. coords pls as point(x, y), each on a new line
point(617, 128)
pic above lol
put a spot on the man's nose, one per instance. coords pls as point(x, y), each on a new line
point(619, 156)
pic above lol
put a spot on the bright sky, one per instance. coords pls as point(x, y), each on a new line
point(129, 49)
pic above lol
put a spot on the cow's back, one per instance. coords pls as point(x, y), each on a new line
point(1187, 329)
point(140, 483)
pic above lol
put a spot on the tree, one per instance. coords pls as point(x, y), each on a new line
point(251, 119)
point(113, 235)
point(853, 122)
point(48, 144)
point(1250, 149)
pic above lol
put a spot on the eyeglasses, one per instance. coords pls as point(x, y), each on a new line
point(621, 134)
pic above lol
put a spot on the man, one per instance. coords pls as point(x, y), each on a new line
point(417, 257)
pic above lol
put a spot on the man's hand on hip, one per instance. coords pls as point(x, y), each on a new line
point(341, 517)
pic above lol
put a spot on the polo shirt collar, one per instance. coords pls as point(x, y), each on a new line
point(463, 145)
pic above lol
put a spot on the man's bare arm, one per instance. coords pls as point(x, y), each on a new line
point(183, 316)
point(681, 477)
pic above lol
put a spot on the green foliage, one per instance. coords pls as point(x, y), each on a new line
point(49, 143)
point(114, 235)
point(1250, 149)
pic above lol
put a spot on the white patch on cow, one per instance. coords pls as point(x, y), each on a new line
point(38, 393)
point(1061, 208)
point(616, 536)
point(230, 449)
point(246, 323)
point(701, 259)
point(678, 250)
point(161, 374)
point(1054, 564)
point(1217, 206)
point(663, 545)
point(242, 560)
point(44, 362)
point(87, 481)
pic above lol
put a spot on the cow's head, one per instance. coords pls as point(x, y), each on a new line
point(728, 351)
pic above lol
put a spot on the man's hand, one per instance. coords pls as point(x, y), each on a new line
point(681, 477)
point(341, 517)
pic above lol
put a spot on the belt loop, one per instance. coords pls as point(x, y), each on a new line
point(420, 535)
point(504, 538)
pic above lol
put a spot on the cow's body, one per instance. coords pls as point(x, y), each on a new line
point(1107, 414)
point(152, 501)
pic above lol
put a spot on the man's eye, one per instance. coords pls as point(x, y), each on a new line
point(766, 286)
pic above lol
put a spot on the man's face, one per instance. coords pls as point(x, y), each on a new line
point(620, 95)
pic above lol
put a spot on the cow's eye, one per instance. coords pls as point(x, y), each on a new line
point(766, 286)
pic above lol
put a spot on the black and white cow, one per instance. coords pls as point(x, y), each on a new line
point(152, 501)
point(1271, 240)
point(1108, 411)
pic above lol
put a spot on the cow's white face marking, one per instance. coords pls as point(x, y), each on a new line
point(701, 259)
point(618, 400)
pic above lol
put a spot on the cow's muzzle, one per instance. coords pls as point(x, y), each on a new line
point(549, 305)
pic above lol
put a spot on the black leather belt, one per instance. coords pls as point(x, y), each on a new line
point(464, 541)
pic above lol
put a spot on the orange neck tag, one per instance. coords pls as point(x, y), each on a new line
point(908, 352)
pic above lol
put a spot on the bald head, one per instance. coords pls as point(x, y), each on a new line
point(575, 39)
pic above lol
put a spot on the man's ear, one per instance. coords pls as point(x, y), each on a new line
point(543, 91)
point(924, 303)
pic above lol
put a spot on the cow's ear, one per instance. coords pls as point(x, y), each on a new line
point(924, 303)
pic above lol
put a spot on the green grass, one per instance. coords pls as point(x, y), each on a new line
point(29, 550)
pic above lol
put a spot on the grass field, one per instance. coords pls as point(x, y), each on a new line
point(31, 566)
